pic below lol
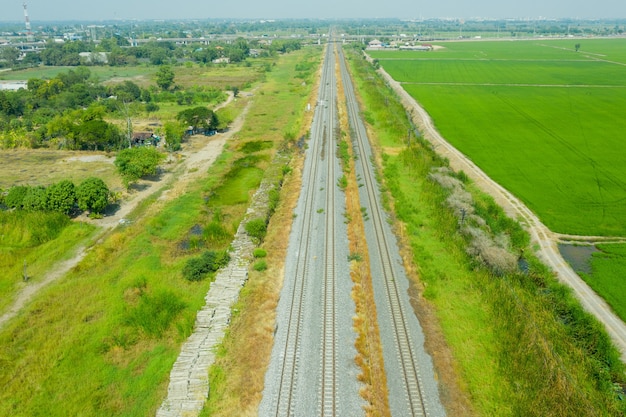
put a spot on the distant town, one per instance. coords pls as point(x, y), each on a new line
point(93, 43)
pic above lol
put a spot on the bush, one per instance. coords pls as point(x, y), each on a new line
point(35, 199)
point(259, 253)
point(256, 228)
point(61, 197)
point(274, 198)
point(197, 268)
point(93, 195)
point(260, 265)
point(15, 196)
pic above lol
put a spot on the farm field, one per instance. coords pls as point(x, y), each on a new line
point(186, 76)
point(540, 118)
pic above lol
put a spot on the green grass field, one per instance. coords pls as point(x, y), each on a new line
point(540, 118)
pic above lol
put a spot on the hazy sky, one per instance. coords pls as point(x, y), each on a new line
point(42, 10)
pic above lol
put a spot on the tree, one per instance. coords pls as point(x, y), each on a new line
point(61, 197)
point(577, 47)
point(165, 77)
point(92, 195)
point(97, 133)
point(10, 54)
point(174, 133)
point(199, 117)
point(135, 163)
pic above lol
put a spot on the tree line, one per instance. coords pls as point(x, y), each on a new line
point(118, 52)
point(65, 197)
point(71, 110)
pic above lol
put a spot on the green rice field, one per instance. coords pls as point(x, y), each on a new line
point(542, 119)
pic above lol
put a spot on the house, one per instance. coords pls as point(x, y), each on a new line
point(375, 44)
point(145, 139)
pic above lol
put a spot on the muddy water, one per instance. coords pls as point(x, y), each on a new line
point(579, 257)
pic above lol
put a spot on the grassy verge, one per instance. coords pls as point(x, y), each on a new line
point(34, 242)
point(521, 343)
point(117, 320)
point(608, 267)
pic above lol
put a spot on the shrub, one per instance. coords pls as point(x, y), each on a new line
point(197, 268)
point(61, 197)
point(273, 199)
point(256, 228)
point(35, 199)
point(259, 253)
point(260, 265)
point(15, 196)
point(93, 195)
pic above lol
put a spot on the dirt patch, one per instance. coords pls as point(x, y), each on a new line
point(140, 80)
point(90, 158)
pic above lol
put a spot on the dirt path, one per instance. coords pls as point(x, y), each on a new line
point(198, 155)
point(541, 236)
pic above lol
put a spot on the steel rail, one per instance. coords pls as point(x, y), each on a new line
point(289, 368)
point(405, 352)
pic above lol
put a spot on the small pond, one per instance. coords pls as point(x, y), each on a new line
point(578, 256)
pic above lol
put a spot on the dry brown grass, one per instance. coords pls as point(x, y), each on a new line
point(45, 167)
point(220, 77)
point(369, 349)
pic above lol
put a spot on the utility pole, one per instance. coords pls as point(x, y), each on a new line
point(25, 273)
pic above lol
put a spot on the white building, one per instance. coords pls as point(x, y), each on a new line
point(13, 85)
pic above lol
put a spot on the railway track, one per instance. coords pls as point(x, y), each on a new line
point(328, 403)
point(322, 141)
point(381, 247)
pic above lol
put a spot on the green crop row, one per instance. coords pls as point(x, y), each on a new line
point(556, 147)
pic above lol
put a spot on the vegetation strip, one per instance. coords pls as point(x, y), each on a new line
point(189, 378)
point(238, 375)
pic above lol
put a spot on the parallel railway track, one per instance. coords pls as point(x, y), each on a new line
point(405, 351)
